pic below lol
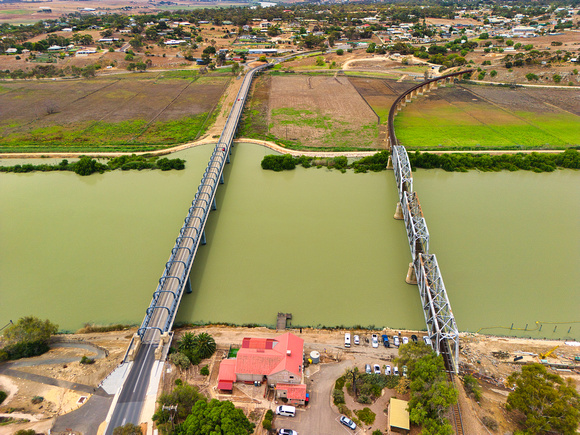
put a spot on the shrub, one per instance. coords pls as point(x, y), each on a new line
point(178, 382)
point(338, 397)
point(3, 396)
point(204, 371)
point(267, 422)
point(87, 360)
point(37, 399)
point(472, 387)
point(377, 432)
point(180, 360)
point(343, 409)
point(365, 399)
point(339, 384)
point(340, 52)
point(489, 422)
point(366, 415)
point(25, 432)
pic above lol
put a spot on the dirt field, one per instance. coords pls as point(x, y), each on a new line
point(126, 111)
point(317, 111)
point(478, 355)
point(472, 117)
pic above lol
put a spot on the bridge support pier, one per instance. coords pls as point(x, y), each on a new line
point(136, 345)
point(390, 164)
point(188, 285)
point(213, 204)
point(203, 241)
point(399, 212)
point(222, 178)
point(228, 157)
point(411, 277)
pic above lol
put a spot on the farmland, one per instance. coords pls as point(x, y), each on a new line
point(486, 117)
point(124, 112)
point(311, 112)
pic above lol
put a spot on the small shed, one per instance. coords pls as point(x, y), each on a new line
point(398, 416)
point(227, 375)
point(295, 393)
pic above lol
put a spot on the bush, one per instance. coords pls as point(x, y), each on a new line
point(267, 422)
point(204, 371)
point(377, 432)
point(87, 360)
point(489, 422)
point(178, 382)
point(338, 397)
point(3, 396)
point(37, 399)
point(366, 415)
point(25, 432)
point(364, 399)
point(180, 360)
point(472, 387)
point(340, 52)
point(343, 409)
point(339, 384)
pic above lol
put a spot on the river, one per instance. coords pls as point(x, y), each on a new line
point(315, 243)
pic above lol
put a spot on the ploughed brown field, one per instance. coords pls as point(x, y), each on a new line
point(130, 110)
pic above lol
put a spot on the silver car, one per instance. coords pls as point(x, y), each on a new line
point(347, 422)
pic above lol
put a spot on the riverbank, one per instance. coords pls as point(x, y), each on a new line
point(480, 354)
point(268, 144)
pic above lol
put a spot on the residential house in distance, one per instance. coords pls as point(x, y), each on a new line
point(277, 361)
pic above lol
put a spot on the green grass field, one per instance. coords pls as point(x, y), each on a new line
point(439, 125)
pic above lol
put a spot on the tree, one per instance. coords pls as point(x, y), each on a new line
point(411, 352)
point(184, 397)
point(548, 403)
point(128, 429)
point(340, 52)
point(204, 345)
point(235, 68)
point(431, 395)
point(215, 418)
point(30, 329)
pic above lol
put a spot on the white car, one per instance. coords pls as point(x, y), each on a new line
point(375, 340)
point(427, 340)
point(405, 371)
point(396, 371)
point(388, 370)
point(356, 339)
point(287, 432)
point(377, 369)
point(347, 422)
point(405, 340)
point(396, 340)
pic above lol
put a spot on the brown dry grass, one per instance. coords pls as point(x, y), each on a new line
point(321, 112)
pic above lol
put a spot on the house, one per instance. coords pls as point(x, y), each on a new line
point(398, 417)
point(278, 361)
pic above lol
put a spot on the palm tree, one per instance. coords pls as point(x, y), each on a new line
point(205, 345)
point(187, 342)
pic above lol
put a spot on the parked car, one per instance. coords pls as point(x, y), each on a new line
point(368, 368)
point(386, 340)
point(388, 370)
point(288, 411)
point(405, 340)
point(287, 432)
point(347, 422)
point(414, 338)
point(377, 369)
point(356, 339)
point(396, 340)
point(427, 340)
point(375, 340)
point(396, 371)
point(405, 371)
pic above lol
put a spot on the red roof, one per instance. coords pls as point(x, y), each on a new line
point(225, 385)
point(268, 356)
point(293, 391)
point(227, 372)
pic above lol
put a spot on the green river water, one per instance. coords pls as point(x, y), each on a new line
point(318, 244)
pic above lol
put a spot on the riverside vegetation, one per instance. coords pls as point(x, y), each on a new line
point(87, 166)
point(456, 162)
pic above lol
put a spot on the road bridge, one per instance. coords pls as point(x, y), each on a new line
point(149, 344)
point(424, 269)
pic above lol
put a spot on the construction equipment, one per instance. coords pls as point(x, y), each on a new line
point(548, 353)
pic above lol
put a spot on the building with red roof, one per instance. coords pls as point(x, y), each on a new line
point(295, 393)
point(272, 360)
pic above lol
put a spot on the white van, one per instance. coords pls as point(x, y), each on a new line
point(347, 339)
point(288, 411)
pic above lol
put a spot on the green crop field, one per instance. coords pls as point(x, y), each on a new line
point(441, 124)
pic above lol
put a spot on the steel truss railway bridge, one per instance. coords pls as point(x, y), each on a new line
point(424, 269)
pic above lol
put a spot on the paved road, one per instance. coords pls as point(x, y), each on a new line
point(132, 396)
point(85, 419)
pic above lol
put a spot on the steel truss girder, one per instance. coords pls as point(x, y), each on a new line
point(436, 307)
point(402, 169)
point(417, 232)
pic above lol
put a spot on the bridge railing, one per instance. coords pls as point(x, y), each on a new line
point(175, 277)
